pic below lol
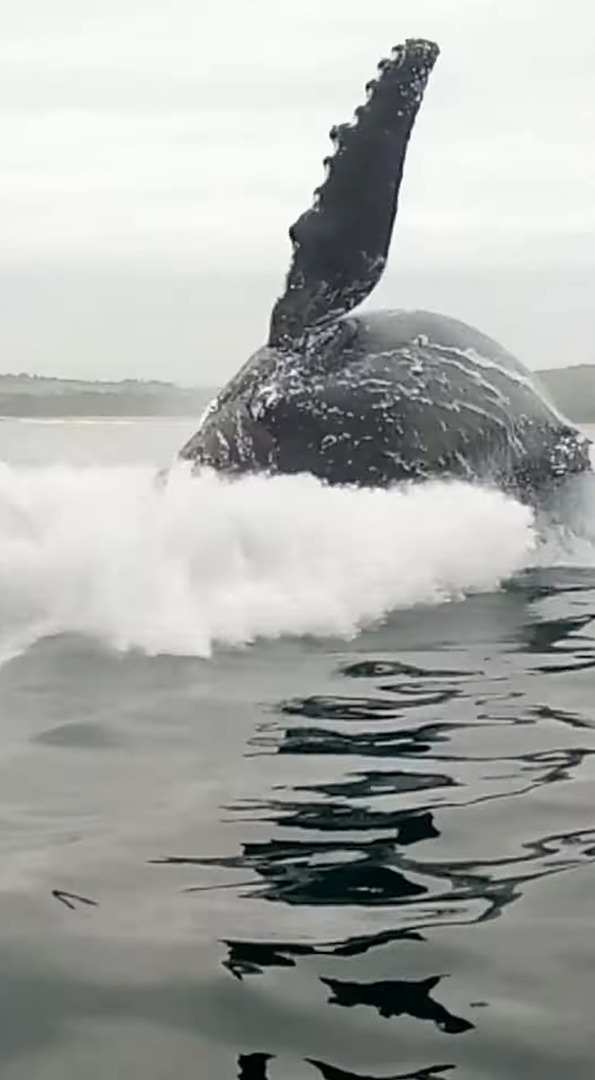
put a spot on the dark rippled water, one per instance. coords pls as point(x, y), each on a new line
point(307, 858)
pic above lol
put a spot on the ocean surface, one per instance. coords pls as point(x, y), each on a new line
point(294, 782)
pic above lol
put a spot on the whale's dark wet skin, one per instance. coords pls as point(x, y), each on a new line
point(387, 396)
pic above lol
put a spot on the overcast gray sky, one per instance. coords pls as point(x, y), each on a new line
point(152, 156)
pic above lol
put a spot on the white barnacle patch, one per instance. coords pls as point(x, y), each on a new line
point(267, 396)
point(223, 444)
point(211, 408)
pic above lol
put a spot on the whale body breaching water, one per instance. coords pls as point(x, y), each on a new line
point(387, 396)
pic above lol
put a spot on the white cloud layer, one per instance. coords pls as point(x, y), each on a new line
point(152, 157)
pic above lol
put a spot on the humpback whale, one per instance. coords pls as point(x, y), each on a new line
point(387, 396)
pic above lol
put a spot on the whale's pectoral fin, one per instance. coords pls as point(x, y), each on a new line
point(341, 244)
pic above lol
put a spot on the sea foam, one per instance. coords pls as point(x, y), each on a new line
point(181, 566)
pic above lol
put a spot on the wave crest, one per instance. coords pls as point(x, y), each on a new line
point(180, 567)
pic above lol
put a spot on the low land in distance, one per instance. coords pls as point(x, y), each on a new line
point(29, 396)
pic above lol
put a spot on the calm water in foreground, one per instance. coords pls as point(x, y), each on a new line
point(293, 783)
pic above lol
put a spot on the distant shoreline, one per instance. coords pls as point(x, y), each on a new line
point(81, 418)
point(96, 418)
point(40, 397)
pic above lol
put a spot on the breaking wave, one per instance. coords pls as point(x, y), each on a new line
point(182, 566)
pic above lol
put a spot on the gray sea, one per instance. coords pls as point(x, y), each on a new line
point(294, 782)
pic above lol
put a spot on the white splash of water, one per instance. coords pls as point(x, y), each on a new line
point(180, 567)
